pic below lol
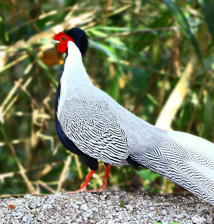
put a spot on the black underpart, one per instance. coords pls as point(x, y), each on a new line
point(133, 163)
point(68, 144)
point(80, 39)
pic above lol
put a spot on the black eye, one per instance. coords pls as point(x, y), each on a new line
point(63, 38)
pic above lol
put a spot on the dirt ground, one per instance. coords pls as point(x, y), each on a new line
point(105, 207)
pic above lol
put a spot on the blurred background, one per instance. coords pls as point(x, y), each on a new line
point(156, 58)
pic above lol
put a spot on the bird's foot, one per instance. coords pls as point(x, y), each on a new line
point(84, 185)
point(103, 187)
point(82, 189)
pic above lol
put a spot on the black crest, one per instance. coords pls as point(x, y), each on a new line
point(80, 39)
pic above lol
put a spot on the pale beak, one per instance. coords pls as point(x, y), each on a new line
point(55, 41)
point(47, 40)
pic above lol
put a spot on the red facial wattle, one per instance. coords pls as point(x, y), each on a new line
point(63, 38)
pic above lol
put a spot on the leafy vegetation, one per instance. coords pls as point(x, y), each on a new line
point(143, 53)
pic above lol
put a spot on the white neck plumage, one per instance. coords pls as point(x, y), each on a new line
point(74, 75)
point(74, 71)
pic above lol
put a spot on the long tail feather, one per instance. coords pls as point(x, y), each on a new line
point(186, 160)
point(195, 164)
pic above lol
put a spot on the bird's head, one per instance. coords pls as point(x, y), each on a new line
point(75, 35)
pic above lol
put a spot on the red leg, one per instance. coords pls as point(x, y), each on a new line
point(103, 187)
point(83, 187)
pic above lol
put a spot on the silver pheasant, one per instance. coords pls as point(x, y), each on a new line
point(101, 129)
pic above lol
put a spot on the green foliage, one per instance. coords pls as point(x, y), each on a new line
point(182, 21)
point(148, 177)
point(131, 56)
point(44, 67)
point(4, 36)
point(207, 10)
point(208, 116)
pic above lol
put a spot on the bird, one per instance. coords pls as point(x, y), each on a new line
point(91, 124)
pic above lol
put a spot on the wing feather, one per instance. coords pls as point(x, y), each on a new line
point(94, 129)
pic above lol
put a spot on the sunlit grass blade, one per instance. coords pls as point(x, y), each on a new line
point(114, 87)
point(105, 49)
point(3, 34)
point(117, 29)
point(44, 67)
point(110, 52)
point(153, 100)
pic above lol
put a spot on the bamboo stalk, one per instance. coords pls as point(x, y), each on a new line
point(179, 93)
point(64, 173)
